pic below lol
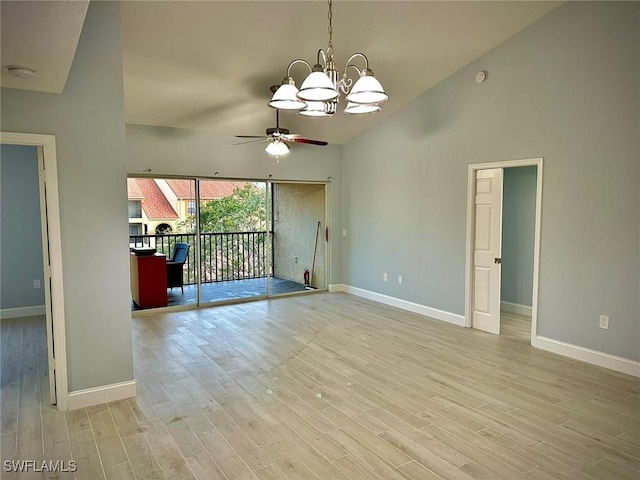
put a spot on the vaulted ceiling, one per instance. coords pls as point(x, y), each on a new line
point(209, 65)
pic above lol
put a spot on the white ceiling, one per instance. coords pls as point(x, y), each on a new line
point(208, 65)
point(42, 36)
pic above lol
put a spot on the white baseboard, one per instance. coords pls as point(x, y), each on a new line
point(606, 360)
point(406, 305)
point(103, 394)
point(22, 311)
point(515, 308)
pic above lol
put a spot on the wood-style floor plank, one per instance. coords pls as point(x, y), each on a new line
point(326, 387)
point(142, 459)
point(205, 468)
point(122, 471)
point(85, 452)
point(108, 439)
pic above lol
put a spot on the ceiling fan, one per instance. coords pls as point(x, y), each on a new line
point(279, 138)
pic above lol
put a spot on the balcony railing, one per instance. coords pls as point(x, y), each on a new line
point(224, 256)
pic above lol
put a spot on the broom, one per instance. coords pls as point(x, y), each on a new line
point(313, 264)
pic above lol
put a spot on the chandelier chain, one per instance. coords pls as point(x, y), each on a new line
point(330, 16)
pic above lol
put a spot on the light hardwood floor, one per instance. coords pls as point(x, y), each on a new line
point(329, 387)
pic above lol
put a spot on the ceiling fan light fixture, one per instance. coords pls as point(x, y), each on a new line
point(367, 90)
point(279, 140)
point(360, 108)
point(285, 97)
point(277, 148)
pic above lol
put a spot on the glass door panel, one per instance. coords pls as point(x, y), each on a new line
point(162, 242)
point(299, 243)
point(234, 260)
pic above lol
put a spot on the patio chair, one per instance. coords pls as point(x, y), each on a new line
point(175, 266)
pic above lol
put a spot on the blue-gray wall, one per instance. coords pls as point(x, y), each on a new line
point(567, 88)
point(20, 230)
point(518, 234)
point(88, 122)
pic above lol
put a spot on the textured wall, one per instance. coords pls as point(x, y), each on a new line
point(566, 89)
point(297, 210)
point(20, 230)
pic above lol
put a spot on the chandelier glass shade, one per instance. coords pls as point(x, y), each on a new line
point(367, 90)
point(317, 87)
point(315, 109)
point(320, 91)
point(358, 108)
point(286, 98)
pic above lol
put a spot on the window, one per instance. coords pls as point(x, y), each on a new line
point(135, 209)
point(191, 207)
point(163, 229)
point(135, 228)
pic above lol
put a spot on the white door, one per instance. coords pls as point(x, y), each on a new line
point(47, 276)
point(485, 307)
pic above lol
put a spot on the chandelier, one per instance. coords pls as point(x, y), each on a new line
point(319, 93)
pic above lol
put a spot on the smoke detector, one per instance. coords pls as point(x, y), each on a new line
point(20, 72)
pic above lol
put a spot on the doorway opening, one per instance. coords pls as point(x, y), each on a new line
point(240, 240)
point(299, 235)
point(503, 245)
point(46, 207)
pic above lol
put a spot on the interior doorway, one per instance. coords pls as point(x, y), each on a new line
point(518, 234)
point(51, 249)
point(487, 251)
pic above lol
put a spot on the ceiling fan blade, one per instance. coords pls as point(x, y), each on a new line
point(308, 141)
point(250, 136)
point(258, 139)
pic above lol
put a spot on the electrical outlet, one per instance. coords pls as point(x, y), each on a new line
point(344, 232)
point(295, 259)
point(384, 276)
point(36, 284)
point(399, 278)
point(604, 322)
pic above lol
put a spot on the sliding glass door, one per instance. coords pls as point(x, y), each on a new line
point(210, 241)
point(234, 253)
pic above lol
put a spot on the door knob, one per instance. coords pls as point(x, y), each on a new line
point(497, 260)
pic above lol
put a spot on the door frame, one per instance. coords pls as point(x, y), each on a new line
point(46, 145)
point(326, 231)
point(538, 162)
